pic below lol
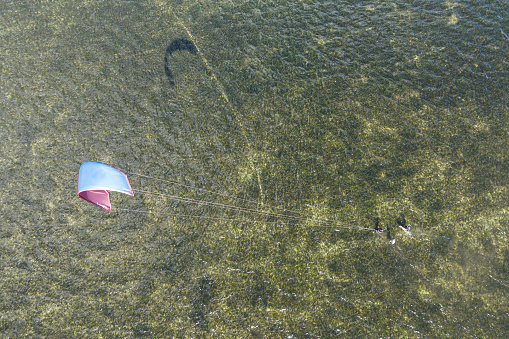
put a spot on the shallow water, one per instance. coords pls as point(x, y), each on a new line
point(336, 110)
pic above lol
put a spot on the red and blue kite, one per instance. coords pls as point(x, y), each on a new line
point(96, 179)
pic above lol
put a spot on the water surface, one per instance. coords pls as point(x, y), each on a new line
point(333, 109)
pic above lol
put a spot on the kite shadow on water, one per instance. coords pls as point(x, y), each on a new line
point(177, 45)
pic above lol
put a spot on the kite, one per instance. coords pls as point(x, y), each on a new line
point(95, 179)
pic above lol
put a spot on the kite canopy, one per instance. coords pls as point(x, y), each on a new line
point(96, 179)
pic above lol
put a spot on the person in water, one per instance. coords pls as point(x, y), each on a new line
point(402, 224)
point(391, 239)
point(377, 228)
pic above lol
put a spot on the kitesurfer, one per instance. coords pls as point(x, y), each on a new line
point(377, 228)
point(402, 224)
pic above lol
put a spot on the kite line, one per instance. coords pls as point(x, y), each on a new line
point(256, 208)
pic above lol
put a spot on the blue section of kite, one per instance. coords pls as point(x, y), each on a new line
point(95, 179)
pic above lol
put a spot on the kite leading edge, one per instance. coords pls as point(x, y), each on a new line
point(95, 179)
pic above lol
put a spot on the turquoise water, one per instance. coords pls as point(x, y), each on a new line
point(333, 110)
